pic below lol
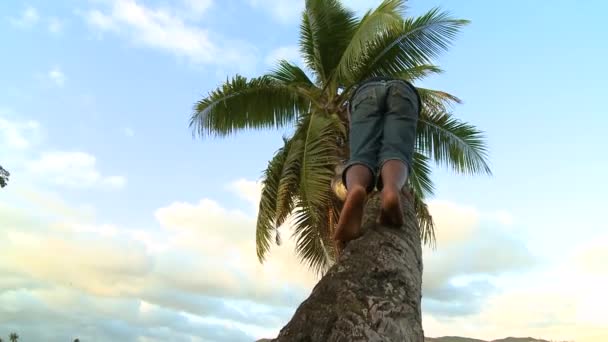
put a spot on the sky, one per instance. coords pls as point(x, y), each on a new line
point(118, 224)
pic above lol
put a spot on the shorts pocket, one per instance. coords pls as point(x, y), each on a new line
point(404, 91)
point(366, 95)
point(403, 99)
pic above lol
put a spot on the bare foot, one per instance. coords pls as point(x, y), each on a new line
point(391, 214)
point(349, 225)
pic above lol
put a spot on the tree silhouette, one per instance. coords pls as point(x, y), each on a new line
point(3, 177)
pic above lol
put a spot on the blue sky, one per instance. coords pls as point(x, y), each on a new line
point(95, 98)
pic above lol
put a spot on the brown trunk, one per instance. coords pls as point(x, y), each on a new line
point(372, 293)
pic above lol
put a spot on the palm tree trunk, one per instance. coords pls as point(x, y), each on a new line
point(372, 293)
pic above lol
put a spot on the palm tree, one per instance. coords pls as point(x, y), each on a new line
point(13, 337)
point(3, 177)
point(374, 292)
point(340, 50)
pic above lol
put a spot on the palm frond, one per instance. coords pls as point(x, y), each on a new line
point(436, 100)
point(386, 17)
point(290, 181)
point(246, 104)
point(425, 220)
point(325, 32)
point(290, 75)
point(312, 237)
point(293, 77)
point(418, 72)
point(315, 209)
point(319, 158)
point(420, 177)
point(421, 186)
point(452, 142)
point(416, 42)
point(267, 207)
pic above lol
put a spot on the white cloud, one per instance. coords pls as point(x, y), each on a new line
point(18, 134)
point(73, 169)
point(227, 236)
point(110, 271)
point(57, 76)
point(478, 282)
point(289, 53)
point(198, 277)
point(247, 190)
point(591, 257)
point(559, 304)
point(21, 141)
point(458, 274)
point(115, 182)
point(170, 30)
point(28, 18)
point(55, 25)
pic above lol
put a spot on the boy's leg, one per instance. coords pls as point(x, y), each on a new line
point(394, 176)
point(359, 176)
point(397, 149)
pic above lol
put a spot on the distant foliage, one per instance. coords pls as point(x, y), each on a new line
point(3, 179)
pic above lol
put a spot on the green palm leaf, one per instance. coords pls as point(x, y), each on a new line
point(418, 72)
point(421, 186)
point(320, 156)
point(267, 206)
point(312, 237)
point(386, 17)
point(420, 177)
point(416, 42)
point(325, 33)
point(295, 79)
point(290, 181)
point(425, 220)
point(314, 213)
point(451, 142)
point(246, 104)
point(436, 100)
point(291, 75)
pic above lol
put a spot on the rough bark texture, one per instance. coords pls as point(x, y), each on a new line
point(372, 293)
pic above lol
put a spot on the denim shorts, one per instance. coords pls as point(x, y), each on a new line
point(383, 120)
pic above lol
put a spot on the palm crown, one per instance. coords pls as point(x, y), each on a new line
point(340, 50)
